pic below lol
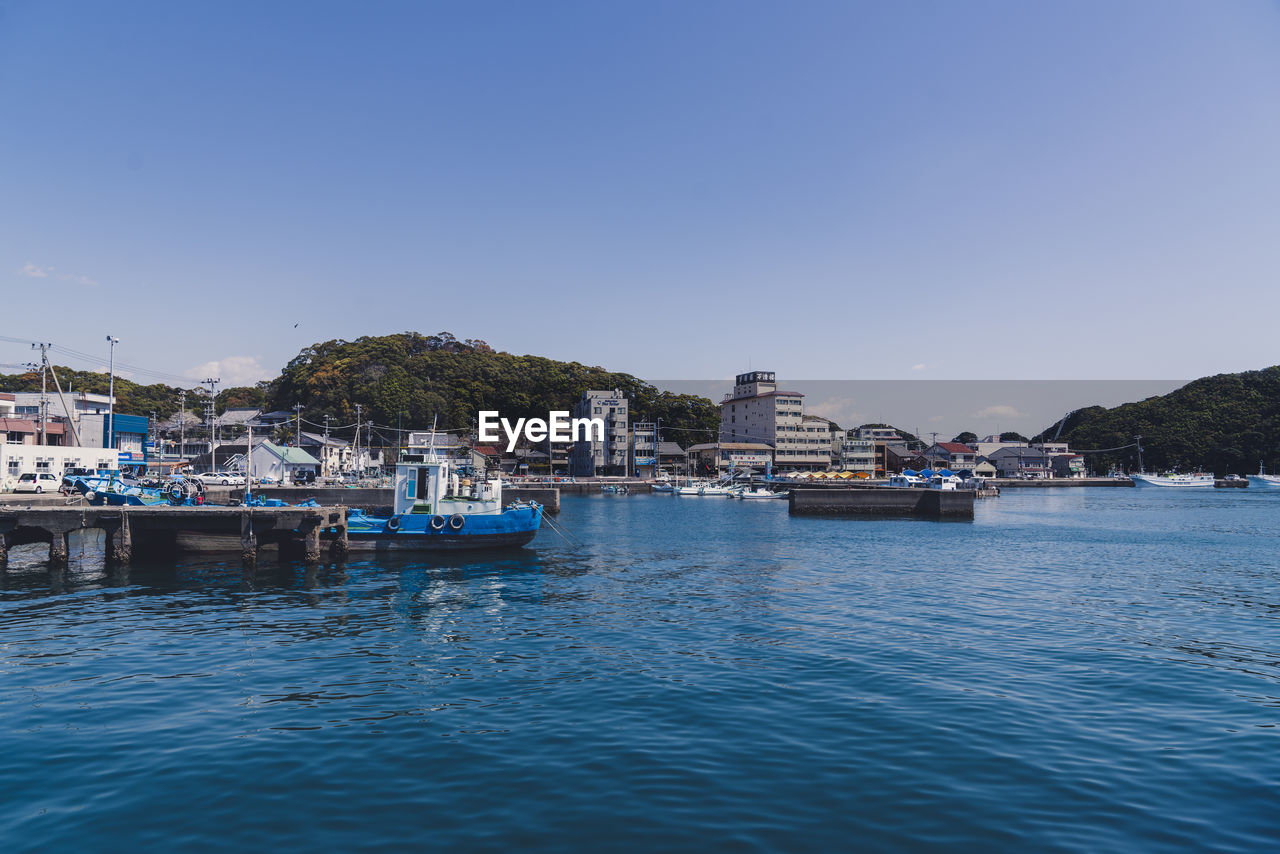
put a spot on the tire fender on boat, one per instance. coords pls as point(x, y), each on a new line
point(393, 524)
point(90, 496)
point(437, 522)
point(456, 521)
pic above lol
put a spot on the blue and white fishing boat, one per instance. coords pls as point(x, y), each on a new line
point(436, 509)
point(1263, 480)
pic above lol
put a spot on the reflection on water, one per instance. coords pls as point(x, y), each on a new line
point(1077, 669)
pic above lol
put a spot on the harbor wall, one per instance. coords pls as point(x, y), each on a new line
point(922, 503)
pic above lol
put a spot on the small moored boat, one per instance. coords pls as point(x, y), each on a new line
point(1263, 480)
point(438, 510)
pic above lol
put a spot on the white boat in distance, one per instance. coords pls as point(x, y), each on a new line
point(760, 492)
point(1264, 481)
point(1199, 479)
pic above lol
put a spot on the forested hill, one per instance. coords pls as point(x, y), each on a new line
point(131, 397)
point(422, 376)
point(438, 375)
point(1224, 423)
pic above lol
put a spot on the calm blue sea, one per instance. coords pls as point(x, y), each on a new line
point(1075, 670)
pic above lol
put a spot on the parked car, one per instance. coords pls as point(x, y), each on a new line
point(304, 477)
point(221, 478)
point(37, 482)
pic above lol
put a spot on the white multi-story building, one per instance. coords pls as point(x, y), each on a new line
point(858, 455)
point(591, 455)
point(757, 411)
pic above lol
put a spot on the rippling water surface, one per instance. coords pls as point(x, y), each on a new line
point(1081, 669)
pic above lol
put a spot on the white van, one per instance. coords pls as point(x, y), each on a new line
point(37, 482)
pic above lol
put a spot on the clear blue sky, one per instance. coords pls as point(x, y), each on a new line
point(830, 190)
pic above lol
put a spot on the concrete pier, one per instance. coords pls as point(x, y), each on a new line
point(163, 528)
point(889, 501)
point(377, 499)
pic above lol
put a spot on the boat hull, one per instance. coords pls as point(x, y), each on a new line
point(437, 542)
point(1265, 481)
point(418, 532)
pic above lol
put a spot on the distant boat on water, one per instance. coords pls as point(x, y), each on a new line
point(1200, 479)
point(1264, 481)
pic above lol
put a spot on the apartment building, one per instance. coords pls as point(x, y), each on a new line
point(757, 411)
point(609, 456)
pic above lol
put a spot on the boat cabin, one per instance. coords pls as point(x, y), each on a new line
point(428, 483)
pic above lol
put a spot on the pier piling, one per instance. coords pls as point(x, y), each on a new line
point(311, 542)
point(248, 539)
point(340, 547)
point(57, 548)
point(120, 541)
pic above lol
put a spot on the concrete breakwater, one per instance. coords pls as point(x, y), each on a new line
point(1059, 482)
point(923, 503)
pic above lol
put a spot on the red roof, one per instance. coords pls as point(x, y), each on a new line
point(955, 448)
point(23, 425)
point(486, 450)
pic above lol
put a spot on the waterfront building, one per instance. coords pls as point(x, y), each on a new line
point(672, 458)
point(1021, 462)
point(988, 445)
point(89, 414)
point(23, 431)
point(281, 462)
point(951, 455)
point(890, 449)
point(858, 455)
point(19, 458)
point(757, 411)
point(593, 455)
point(1067, 465)
point(333, 453)
point(559, 455)
point(876, 434)
point(644, 450)
point(822, 435)
point(716, 458)
point(898, 458)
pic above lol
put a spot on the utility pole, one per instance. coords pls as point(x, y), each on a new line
point(155, 444)
point(297, 412)
point(210, 413)
point(182, 424)
point(324, 453)
point(358, 464)
point(1138, 439)
point(111, 394)
point(44, 391)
